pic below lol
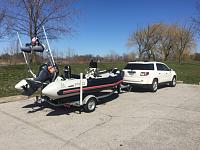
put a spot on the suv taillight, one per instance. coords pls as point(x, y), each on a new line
point(144, 73)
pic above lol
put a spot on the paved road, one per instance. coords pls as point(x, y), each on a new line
point(168, 119)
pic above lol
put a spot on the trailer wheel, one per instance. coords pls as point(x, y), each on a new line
point(90, 105)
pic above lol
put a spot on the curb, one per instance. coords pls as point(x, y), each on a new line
point(179, 82)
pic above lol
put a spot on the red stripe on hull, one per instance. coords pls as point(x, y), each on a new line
point(92, 87)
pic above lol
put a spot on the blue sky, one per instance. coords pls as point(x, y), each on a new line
point(104, 25)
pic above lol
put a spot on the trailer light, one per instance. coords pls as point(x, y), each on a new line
point(144, 73)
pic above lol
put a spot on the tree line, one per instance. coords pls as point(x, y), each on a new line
point(67, 57)
point(15, 57)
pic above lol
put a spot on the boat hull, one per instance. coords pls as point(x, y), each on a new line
point(69, 88)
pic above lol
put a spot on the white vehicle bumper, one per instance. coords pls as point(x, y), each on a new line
point(139, 81)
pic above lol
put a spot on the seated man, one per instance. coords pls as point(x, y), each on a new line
point(46, 74)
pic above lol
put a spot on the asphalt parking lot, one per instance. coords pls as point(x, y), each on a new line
point(168, 119)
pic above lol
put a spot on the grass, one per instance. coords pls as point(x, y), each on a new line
point(187, 72)
point(10, 75)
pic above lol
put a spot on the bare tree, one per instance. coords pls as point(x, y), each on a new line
point(184, 40)
point(152, 34)
point(166, 44)
point(3, 23)
point(113, 55)
point(146, 40)
point(3, 30)
point(70, 53)
point(28, 16)
point(137, 38)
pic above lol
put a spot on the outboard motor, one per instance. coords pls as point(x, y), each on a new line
point(67, 71)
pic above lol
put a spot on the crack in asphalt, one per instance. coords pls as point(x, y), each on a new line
point(159, 118)
point(84, 132)
point(42, 130)
point(175, 107)
point(156, 118)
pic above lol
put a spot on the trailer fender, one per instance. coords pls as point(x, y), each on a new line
point(85, 100)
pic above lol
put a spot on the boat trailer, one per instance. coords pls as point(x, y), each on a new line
point(88, 102)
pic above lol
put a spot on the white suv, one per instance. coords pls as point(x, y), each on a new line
point(148, 74)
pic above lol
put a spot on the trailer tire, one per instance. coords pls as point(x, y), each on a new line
point(90, 105)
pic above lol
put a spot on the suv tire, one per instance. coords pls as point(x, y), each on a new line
point(154, 85)
point(173, 82)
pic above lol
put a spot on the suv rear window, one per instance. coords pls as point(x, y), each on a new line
point(140, 66)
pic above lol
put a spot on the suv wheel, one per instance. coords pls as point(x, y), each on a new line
point(154, 86)
point(173, 82)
